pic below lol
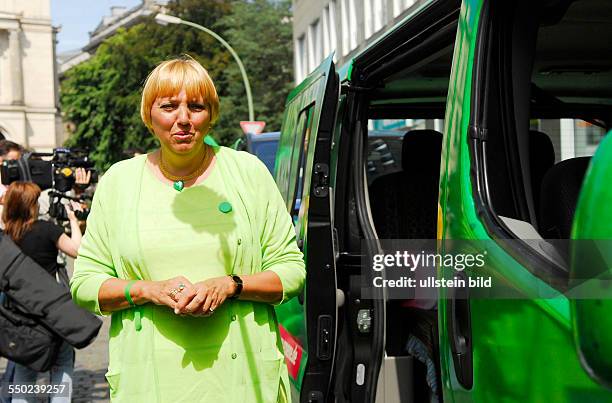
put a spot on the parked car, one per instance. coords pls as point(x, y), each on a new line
point(263, 145)
point(516, 97)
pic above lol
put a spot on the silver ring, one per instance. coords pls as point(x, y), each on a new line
point(211, 310)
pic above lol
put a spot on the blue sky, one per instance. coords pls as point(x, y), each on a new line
point(79, 17)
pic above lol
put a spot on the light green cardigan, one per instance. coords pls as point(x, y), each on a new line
point(137, 230)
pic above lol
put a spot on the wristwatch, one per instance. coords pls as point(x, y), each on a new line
point(238, 282)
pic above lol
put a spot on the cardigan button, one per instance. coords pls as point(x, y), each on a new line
point(239, 241)
point(233, 317)
point(225, 207)
point(234, 355)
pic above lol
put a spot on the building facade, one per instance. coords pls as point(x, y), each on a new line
point(28, 84)
point(119, 17)
point(344, 26)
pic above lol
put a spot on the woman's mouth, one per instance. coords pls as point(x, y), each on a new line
point(182, 136)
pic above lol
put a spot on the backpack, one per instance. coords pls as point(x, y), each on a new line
point(37, 313)
point(25, 340)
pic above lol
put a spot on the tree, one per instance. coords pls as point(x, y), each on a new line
point(101, 96)
point(261, 33)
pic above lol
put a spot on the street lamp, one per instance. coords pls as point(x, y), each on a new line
point(165, 19)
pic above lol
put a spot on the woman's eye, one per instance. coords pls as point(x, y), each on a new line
point(197, 107)
point(167, 107)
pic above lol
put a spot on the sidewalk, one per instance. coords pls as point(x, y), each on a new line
point(90, 367)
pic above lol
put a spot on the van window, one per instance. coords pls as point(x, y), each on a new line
point(570, 138)
point(301, 152)
point(547, 105)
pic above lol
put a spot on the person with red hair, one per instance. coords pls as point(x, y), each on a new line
point(41, 241)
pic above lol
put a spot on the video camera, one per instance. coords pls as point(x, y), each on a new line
point(58, 174)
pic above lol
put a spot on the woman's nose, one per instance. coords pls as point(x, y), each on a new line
point(183, 115)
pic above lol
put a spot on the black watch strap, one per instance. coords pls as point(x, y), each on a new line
point(238, 282)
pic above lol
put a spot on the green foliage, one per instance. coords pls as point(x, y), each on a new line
point(101, 96)
point(261, 33)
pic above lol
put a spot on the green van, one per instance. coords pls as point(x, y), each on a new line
point(505, 107)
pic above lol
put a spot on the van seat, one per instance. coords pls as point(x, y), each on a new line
point(541, 159)
point(404, 204)
point(559, 196)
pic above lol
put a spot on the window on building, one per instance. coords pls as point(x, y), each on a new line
point(378, 14)
point(400, 5)
point(349, 26)
point(329, 28)
point(300, 59)
point(314, 45)
point(373, 16)
point(368, 23)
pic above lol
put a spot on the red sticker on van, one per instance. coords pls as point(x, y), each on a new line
point(293, 352)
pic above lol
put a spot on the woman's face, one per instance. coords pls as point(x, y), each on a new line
point(180, 123)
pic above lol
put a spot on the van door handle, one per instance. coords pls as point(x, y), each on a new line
point(459, 339)
point(321, 180)
point(460, 332)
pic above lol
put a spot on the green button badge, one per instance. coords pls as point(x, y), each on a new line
point(225, 207)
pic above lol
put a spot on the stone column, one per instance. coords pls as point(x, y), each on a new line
point(16, 66)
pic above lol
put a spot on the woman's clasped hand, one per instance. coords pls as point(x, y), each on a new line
point(202, 298)
point(186, 298)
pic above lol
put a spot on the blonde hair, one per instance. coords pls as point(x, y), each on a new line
point(169, 77)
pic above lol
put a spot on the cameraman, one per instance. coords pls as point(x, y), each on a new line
point(8, 151)
point(41, 241)
point(12, 151)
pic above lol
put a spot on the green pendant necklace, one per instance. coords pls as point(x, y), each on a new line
point(178, 185)
point(179, 181)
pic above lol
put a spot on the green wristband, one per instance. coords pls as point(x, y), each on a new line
point(128, 297)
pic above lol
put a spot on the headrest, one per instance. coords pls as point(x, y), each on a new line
point(560, 188)
point(541, 159)
point(541, 148)
point(421, 150)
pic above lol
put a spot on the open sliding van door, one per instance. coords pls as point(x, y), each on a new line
point(308, 323)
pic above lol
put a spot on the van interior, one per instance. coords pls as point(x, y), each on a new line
point(547, 103)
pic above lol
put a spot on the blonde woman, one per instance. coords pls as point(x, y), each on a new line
point(189, 247)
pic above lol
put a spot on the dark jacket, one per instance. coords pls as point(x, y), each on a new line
point(41, 297)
